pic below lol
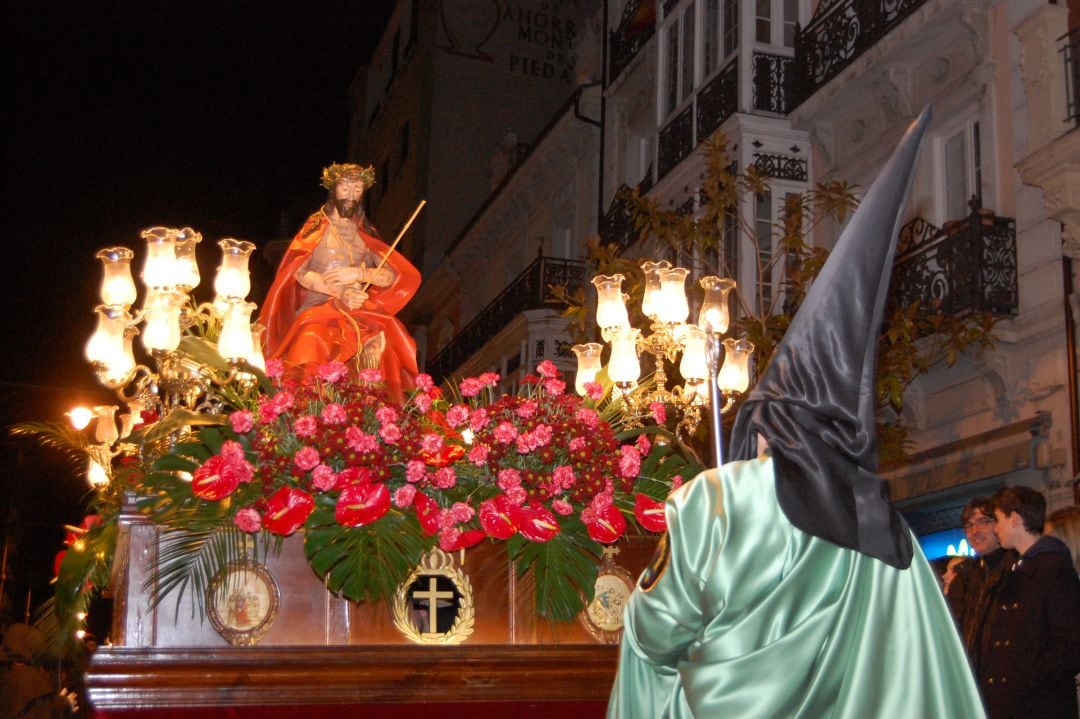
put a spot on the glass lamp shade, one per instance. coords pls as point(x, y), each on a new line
point(693, 367)
point(734, 376)
point(96, 474)
point(588, 364)
point(624, 367)
point(610, 304)
point(714, 315)
point(256, 359)
point(650, 299)
point(673, 307)
point(233, 280)
point(161, 270)
point(80, 417)
point(117, 287)
point(105, 431)
point(109, 346)
point(162, 312)
point(187, 265)
point(235, 342)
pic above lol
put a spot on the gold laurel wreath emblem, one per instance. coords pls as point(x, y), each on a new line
point(436, 564)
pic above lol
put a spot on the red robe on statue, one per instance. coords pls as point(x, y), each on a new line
point(330, 331)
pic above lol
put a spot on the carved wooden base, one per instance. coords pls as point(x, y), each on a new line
point(445, 679)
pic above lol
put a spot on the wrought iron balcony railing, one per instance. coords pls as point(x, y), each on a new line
point(773, 76)
point(636, 27)
point(1071, 52)
point(838, 33)
point(715, 102)
point(967, 266)
point(528, 291)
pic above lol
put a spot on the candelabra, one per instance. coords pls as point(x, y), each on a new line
point(706, 382)
point(184, 374)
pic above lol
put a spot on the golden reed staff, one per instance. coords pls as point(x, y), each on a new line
point(390, 251)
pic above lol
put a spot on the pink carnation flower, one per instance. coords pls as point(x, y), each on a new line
point(642, 443)
point(386, 415)
point(334, 413)
point(462, 512)
point(404, 495)
point(445, 478)
point(629, 462)
point(422, 402)
point(561, 506)
point(390, 433)
point(268, 410)
point(323, 478)
point(588, 417)
point(554, 387)
point(527, 409)
point(470, 387)
point(431, 443)
point(415, 470)
point(305, 426)
point(577, 444)
point(371, 375)
point(242, 422)
point(284, 400)
point(478, 419)
point(457, 415)
point(360, 441)
point(489, 379)
point(516, 495)
point(306, 458)
point(507, 479)
point(676, 482)
point(505, 433)
point(424, 382)
point(232, 451)
point(446, 519)
point(275, 368)
point(594, 390)
point(478, 454)
point(659, 412)
point(333, 371)
point(248, 520)
point(564, 476)
point(547, 369)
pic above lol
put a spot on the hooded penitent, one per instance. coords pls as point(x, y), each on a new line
point(815, 401)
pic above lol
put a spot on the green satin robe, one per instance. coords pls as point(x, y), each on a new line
point(753, 618)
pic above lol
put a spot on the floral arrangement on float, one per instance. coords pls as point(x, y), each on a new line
point(372, 485)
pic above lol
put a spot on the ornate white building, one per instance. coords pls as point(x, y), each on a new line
point(806, 91)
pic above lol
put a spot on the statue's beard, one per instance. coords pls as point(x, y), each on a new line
point(346, 208)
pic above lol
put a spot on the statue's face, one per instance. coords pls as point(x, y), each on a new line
point(347, 194)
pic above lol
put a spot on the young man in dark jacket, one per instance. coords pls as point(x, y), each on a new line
point(1030, 651)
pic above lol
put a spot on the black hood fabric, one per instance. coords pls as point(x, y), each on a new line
point(815, 402)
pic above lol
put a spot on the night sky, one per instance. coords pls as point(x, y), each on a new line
point(123, 115)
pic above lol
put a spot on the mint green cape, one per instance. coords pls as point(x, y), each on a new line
point(753, 618)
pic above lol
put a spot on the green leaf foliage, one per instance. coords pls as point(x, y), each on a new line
point(564, 568)
point(363, 563)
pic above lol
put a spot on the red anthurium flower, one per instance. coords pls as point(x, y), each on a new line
point(495, 517)
point(462, 540)
point(58, 561)
point(535, 522)
point(650, 513)
point(286, 510)
point(354, 475)
point(427, 513)
point(606, 525)
point(362, 504)
point(215, 479)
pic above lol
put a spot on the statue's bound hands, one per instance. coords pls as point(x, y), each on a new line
point(338, 278)
point(353, 297)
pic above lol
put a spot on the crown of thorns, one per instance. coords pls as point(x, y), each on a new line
point(336, 173)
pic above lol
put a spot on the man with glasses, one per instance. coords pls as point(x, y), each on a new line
point(977, 578)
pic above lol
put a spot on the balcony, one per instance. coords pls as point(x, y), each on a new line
point(528, 291)
point(1071, 52)
point(636, 27)
point(838, 33)
point(967, 266)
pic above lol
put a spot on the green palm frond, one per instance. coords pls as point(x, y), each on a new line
point(363, 563)
point(189, 559)
point(564, 569)
point(56, 435)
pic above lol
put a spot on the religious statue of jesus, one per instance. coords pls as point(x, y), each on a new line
point(338, 289)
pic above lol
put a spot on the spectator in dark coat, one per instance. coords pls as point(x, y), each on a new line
point(1031, 648)
point(972, 589)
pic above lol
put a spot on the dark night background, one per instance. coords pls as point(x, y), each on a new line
point(120, 116)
